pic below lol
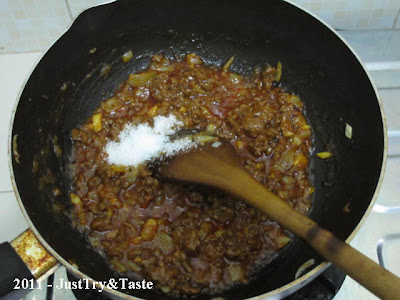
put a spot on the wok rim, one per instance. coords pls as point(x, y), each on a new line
point(278, 293)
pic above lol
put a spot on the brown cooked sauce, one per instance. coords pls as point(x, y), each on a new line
point(184, 239)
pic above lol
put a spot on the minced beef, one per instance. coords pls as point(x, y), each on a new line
point(184, 239)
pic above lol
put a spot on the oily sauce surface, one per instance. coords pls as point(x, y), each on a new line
point(184, 239)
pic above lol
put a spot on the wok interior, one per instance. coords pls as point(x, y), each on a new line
point(317, 66)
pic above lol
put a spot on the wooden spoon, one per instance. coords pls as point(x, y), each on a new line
point(222, 168)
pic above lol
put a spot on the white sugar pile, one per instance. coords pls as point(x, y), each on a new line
point(141, 143)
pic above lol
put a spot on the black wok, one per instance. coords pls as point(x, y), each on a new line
point(68, 84)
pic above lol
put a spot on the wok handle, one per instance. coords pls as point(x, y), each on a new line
point(12, 268)
point(25, 258)
point(365, 271)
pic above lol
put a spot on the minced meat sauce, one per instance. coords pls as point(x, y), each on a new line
point(184, 239)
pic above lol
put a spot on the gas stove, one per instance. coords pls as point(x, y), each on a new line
point(378, 238)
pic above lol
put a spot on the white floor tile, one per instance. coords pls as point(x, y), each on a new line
point(391, 106)
point(388, 195)
point(375, 45)
point(78, 6)
point(386, 78)
point(14, 69)
point(397, 25)
point(28, 25)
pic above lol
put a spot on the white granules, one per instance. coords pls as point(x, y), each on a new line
point(142, 143)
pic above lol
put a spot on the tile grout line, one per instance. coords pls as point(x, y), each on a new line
point(22, 52)
point(68, 9)
point(396, 19)
point(4, 192)
point(388, 88)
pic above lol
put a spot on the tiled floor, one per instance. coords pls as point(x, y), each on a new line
point(28, 25)
point(77, 6)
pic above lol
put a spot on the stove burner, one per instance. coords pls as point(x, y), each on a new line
point(324, 287)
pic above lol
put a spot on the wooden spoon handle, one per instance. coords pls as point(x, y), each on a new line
point(219, 167)
point(372, 276)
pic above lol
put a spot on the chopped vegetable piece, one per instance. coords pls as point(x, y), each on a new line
point(105, 70)
point(346, 208)
point(296, 101)
point(239, 144)
point(152, 111)
point(96, 121)
point(202, 139)
point(235, 273)
point(119, 168)
point(137, 240)
point(112, 234)
point(127, 56)
point(119, 266)
point(109, 212)
point(165, 242)
point(167, 68)
point(205, 110)
point(296, 141)
point(283, 240)
point(197, 87)
point(303, 267)
point(259, 165)
point(133, 266)
point(324, 155)
point(165, 289)
point(227, 65)
point(278, 74)
point(15, 149)
point(288, 180)
point(141, 79)
point(235, 78)
point(300, 161)
point(219, 232)
point(348, 132)
point(211, 127)
point(288, 157)
point(75, 199)
point(113, 200)
point(192, 60)
point(205, 229)
point(149, 229)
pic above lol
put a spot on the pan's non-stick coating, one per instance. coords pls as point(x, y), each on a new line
point(67, 86)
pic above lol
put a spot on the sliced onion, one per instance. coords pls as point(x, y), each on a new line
point(227, 65)
point(165, 243)
point(303, 267)
point(127, 56)
point(348, 132)
point(137, 80)
point(15, 149)
point(278, 74)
